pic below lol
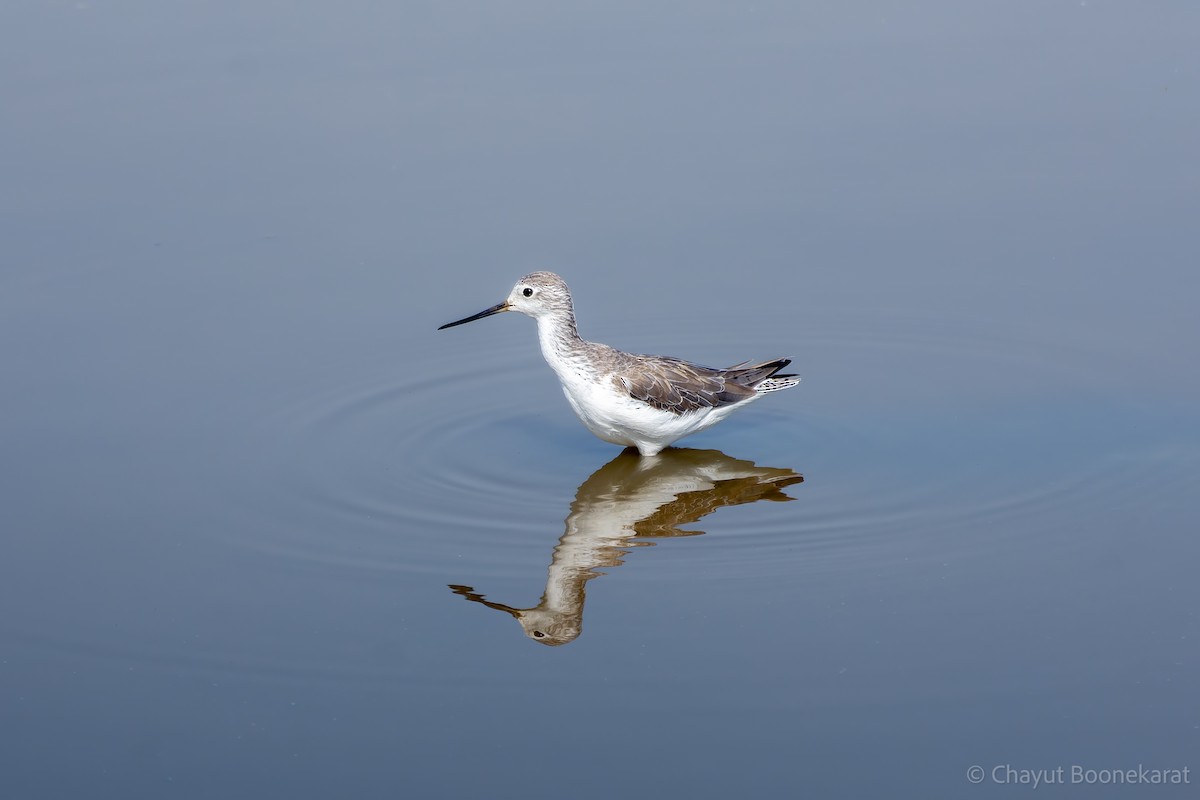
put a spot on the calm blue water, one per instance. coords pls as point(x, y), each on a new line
point(266, 532)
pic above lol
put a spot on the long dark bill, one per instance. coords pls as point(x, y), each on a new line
point(496, 309)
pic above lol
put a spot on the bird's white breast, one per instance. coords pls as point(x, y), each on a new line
point(607, 409)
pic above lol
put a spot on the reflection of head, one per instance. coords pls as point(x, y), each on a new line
point(549, 627)
point(540, 624)
point(633, 498)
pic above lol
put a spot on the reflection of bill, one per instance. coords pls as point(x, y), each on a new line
point(628, 498)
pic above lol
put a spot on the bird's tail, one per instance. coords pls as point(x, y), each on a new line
point(763, 377)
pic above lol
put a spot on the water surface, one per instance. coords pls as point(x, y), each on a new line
point(268, 532)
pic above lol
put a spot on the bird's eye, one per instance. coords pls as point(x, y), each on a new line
point(528, 292)
point(538, 634)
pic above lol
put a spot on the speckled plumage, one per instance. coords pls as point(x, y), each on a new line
point(647, 402)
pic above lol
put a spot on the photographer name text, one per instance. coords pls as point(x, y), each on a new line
point(1007, 774)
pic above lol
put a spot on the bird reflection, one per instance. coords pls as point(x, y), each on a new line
point(624, 503)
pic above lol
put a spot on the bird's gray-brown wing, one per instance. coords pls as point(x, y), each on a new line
point(679, 387)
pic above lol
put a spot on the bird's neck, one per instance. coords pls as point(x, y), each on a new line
point(560, 339)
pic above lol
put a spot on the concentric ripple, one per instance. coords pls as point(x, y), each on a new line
point(472, 469)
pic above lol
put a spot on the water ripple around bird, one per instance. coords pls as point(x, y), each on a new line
point(476, 467)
